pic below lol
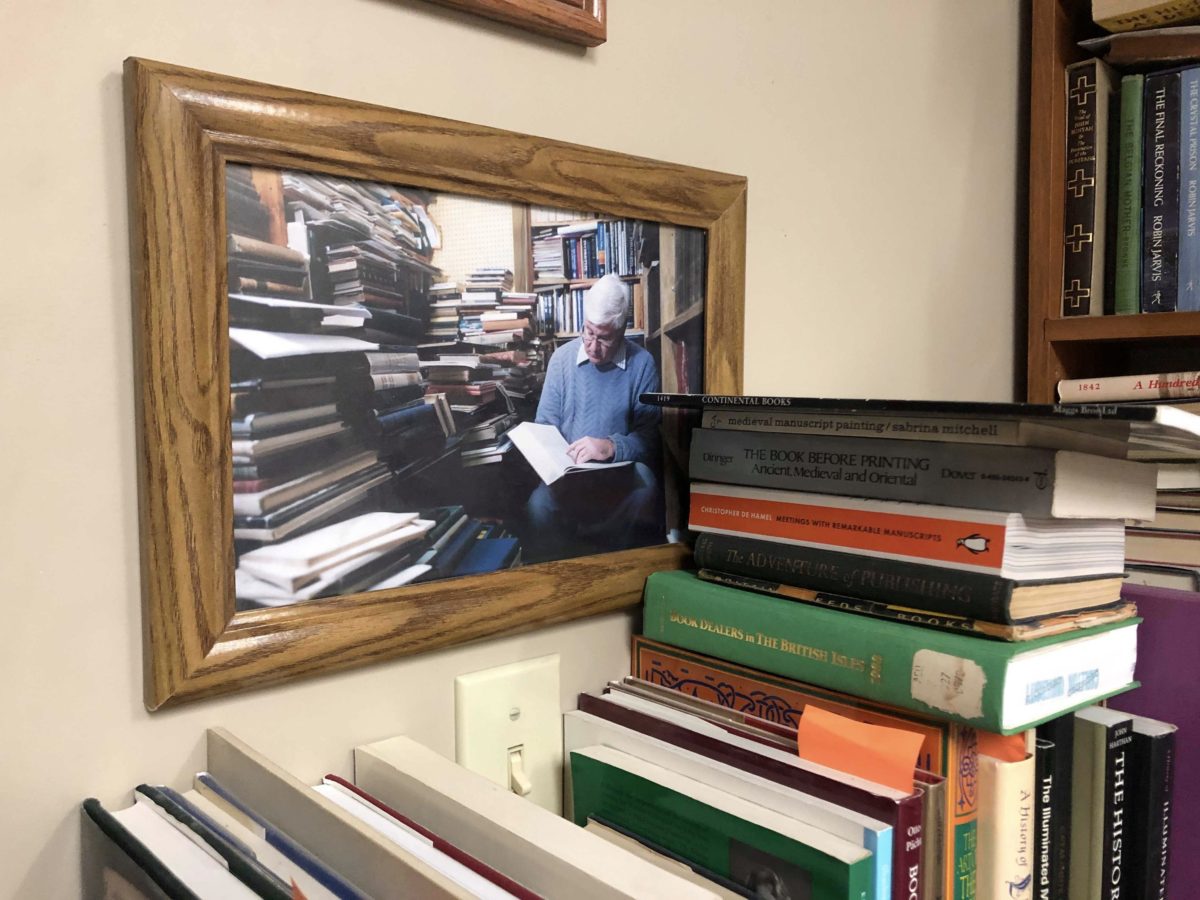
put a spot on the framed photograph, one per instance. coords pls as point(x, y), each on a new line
point(582, 22)
point(388, 370)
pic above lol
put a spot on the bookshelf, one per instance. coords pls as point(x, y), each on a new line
point(663, 266)
point(1084, 346)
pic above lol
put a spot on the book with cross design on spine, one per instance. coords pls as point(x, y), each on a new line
point(1090, 87)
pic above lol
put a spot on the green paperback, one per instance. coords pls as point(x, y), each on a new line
point(743, 851)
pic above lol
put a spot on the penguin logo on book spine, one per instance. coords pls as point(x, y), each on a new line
point(974, 543)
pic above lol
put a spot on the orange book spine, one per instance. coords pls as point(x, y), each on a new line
point(978, 544)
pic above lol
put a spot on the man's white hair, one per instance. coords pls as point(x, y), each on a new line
point(606, 302)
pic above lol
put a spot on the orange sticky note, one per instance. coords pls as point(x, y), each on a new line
point(1006, 748)
point(875, 752)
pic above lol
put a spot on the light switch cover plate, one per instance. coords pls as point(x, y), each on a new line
point(512, 706)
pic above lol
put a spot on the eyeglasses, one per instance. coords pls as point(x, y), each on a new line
point(591, 336)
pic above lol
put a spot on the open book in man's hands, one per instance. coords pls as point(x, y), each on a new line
point(546, 450)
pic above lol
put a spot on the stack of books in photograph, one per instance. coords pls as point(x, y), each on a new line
point(445, 298)
point(408, 824)
point(547, 254)
point(333, 427)
point(245, 212)
point(1130, 238)
point(949, 572)
point(370, 245)
point(491, 330)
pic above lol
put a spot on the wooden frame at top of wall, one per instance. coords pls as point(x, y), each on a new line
point(583, 22)
point(184, 126)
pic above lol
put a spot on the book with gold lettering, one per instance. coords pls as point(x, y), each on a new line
point(958, 593)
point(995, 685)
point(948, 749)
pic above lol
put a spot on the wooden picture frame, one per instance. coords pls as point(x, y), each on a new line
point(184, 126)
point(583, 22)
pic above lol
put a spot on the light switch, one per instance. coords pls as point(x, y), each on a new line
point(518, 781)
point(508, 727)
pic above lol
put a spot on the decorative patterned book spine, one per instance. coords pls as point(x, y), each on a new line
point(950, 749)
point(1089, 87)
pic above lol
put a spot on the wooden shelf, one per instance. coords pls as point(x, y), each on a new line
point(1146, 326)
point(680, 320)
point(576, 282)
point(1087, 346)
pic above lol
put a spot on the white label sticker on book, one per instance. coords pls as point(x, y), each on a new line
point(949, 683)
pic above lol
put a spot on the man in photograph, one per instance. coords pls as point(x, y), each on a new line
point(591, 395)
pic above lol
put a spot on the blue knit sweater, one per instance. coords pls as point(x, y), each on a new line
point(586, 400)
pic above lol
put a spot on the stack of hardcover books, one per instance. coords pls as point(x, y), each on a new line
point(1165, 552)
point(332, 425)
point(245, 212)
point(958, 564)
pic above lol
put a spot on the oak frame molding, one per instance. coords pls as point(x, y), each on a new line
point(183, 126)
point(584, 22)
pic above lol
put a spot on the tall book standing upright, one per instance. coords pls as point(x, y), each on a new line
point(1090, 87)
point(1167, 694)
point(1160, 194)
point(1152, 777)
point(1054, 755)
point(1127, 271)
point(1188, 294)
point(1099, 801)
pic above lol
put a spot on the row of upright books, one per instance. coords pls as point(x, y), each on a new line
point(408, 823)
point(1130, 238)
point(952, 571)
point(586, 249)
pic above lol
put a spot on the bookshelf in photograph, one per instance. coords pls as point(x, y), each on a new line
point(1094, 253)
point(663, 266)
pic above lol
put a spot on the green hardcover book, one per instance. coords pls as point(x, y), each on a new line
point(769, 853)
point(1127, 284)
point(994, 685)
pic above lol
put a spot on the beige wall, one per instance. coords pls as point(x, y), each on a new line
point(880, 144)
